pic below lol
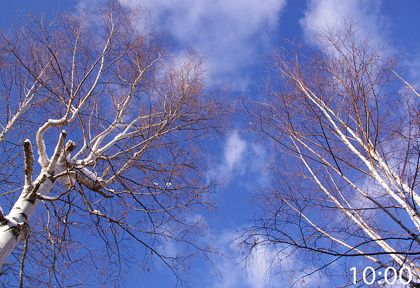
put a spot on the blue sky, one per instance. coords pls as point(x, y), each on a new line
point(235, 35)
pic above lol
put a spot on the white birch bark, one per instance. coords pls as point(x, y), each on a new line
point(333, 112)
point(15, 226)
point(127, 117)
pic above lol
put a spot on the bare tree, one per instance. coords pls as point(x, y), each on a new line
point(118, 122)
point(345, 141)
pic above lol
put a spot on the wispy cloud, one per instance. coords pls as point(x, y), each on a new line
point(255, 272)
point(234, 151)
point(330, 13)
point(232, 34)
point(234, 274)
point(242, 159)
point(233, 157)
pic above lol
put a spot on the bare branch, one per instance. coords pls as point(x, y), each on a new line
point(29, 162)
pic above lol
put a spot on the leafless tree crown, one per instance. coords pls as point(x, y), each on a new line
point(345, 138)
point(116, 123)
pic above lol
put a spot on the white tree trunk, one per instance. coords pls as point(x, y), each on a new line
point(15, 226)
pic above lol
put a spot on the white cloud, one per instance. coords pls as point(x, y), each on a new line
point(85, 5)
point(243, 159)
point(255, 273)
point(330, 13)
point(232, 34)
point(412, 63)
point(233, 274)
point(234, 151)
point(233, 154)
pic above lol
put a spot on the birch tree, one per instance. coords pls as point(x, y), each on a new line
point(345, 137)
point(115, 123)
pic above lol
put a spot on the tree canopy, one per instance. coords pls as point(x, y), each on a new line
point(344, 131)
point(109, 112)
